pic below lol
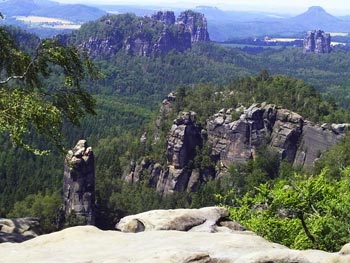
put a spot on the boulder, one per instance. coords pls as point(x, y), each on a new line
point(208, 219)
point(19, 229)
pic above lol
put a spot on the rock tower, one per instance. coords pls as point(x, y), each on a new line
point(317, 41)
point(79, 184)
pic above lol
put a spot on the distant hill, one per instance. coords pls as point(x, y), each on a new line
point(269, 24)
point(24, 13)
point(75, 13)
point(316, 17)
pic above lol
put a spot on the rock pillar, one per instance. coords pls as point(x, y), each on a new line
point(79, 185)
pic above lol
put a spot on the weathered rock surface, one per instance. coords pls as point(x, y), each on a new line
point(208, 219)
point(79, 183)
point(317, 41)
point(182, 140)
point(234, 135)
point(168, 17)
point(89, 244)
point(195, 24)
point(298, 141)
point(169, 34)
point(315, 140)
point(19, 229)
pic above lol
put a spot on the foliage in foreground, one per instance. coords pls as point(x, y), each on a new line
point(29, 105)
point(300, 212)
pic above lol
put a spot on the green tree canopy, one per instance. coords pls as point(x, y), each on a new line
point(28, 102)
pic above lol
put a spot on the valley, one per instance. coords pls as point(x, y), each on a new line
point(182, 109)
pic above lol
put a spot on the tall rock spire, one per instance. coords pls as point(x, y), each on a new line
point(79, 184)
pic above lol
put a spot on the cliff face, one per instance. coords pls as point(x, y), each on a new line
point(195, 24)
point(235, 139)
point(317, 41)
point(298, 141)
point(144, 36)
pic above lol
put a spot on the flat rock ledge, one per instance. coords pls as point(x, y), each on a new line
point(158, 242)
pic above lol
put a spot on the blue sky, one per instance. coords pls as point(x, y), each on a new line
point(282, 6)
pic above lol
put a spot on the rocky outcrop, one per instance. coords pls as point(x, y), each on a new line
point(79, 184)
point(182, 141)
point(234, 135)
point(168, 17)
point(89, 244)
point(296, 140)
point(208, 219)
point(19, 229)
point(164, 113)
point(195, 24)
point(317, 41)
point(148, 36)
point(236, 141)
point(316, 139)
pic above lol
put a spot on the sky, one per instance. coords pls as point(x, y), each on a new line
point(282, 6)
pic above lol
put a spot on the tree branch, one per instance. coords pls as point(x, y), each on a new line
point(306, 229)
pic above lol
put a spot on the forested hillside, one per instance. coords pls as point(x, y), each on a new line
point(128, 94)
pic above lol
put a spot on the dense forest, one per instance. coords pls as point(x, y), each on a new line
point(128, 93)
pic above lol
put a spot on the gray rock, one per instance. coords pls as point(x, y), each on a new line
point(234, 141)
point(286, 134)
point(195, 24)
point(317, 41)
point(172, 179)
point(168, 17)
point(297, 141)
point(79, 183)
point(183, 139)
point(314, 141)
point(19, 229)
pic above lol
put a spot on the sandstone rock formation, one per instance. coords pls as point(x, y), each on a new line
point(232, 140)
point(167, 34)
point(79, 183)
point(89, 244)
point(208, 219)
point(296, 140)
point(183, 139)
point(19, 229)
point(168, 17)
point(195, 24)
point(317, 41)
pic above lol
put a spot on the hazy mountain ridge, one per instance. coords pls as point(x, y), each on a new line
point(73, 12)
